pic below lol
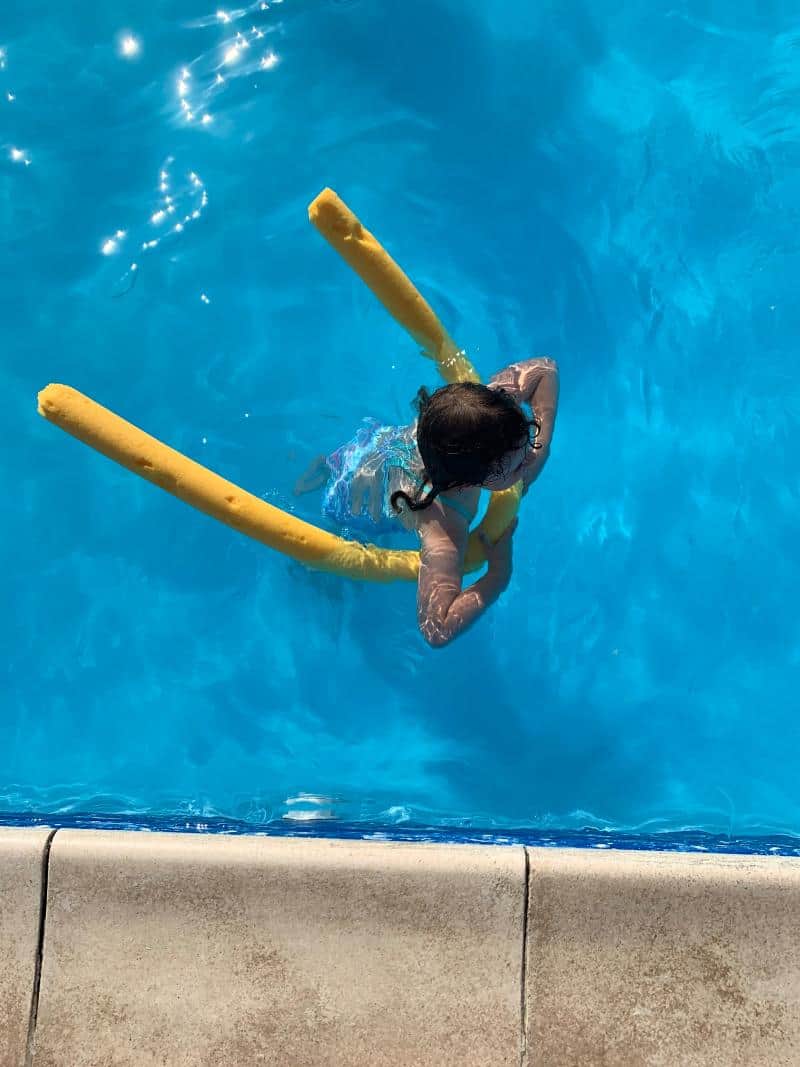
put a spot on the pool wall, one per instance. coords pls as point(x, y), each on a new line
point(142, 948)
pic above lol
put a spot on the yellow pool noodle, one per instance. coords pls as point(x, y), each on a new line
point(398, 294)
point(195, 484)
point(376, 268)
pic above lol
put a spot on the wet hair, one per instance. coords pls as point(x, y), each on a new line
point(464, 432)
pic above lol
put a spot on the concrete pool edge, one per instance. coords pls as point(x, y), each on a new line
point(187, 948)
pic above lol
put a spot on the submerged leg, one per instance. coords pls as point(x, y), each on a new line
point(314, 478)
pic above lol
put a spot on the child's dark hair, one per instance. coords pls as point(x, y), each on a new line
point(463, 433)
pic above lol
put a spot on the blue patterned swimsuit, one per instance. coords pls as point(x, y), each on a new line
point(387, 454)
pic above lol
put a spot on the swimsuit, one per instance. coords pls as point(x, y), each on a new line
point(387, 454)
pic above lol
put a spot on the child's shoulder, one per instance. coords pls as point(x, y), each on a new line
point(449, 517)
point(519, 379)
point(509, 378)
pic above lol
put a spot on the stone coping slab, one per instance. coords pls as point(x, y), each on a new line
point(22, 855)
point(180, 949)
point(652, 959)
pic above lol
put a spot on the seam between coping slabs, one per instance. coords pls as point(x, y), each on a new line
point(523, 1008)
point(37, 972)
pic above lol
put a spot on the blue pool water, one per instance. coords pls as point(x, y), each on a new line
point(614, 185)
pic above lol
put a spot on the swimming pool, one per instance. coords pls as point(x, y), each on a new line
point(614, 186)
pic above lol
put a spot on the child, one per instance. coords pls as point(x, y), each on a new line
point(428, 476)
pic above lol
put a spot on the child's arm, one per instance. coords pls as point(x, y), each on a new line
point(534, 382)
point(444, 610)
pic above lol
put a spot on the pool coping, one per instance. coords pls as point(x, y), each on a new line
point(184, 946)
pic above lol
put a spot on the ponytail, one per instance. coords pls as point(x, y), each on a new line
point(417, 502)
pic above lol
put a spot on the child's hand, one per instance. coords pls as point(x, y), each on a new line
point(498, 555)
point(365, 493)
